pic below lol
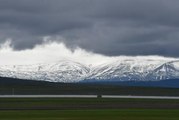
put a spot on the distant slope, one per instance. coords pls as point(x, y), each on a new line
point(170, 83)
point(19, 86)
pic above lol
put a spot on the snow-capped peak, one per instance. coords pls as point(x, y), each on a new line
point(122, 69)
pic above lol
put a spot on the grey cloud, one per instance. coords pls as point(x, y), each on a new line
point(110, 27)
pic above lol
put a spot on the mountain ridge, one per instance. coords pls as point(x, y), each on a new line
point(71, 71)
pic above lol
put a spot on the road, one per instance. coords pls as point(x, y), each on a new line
point(87, 96)
point(48, 96)
point(139, 97)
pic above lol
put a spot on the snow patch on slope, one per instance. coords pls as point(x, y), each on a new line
point(121, 69)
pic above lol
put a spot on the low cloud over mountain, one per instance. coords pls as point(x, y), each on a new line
point(108, 27)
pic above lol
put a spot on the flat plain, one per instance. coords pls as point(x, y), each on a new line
point(107, 114)
point(87, 109)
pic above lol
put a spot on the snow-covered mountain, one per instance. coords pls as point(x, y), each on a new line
point(117, 69)
point(62, 71)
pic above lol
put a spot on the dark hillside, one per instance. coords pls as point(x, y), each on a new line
point(18, 86)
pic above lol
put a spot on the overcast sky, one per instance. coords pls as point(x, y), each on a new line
point(108, 27)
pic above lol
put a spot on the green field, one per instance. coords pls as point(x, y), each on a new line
point(85, 108)
point(120, 114)
point(88, 109)
point(84, 103)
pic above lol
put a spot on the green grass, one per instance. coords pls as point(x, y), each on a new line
point(121, 114)
point(87, 109)
point(84, 103)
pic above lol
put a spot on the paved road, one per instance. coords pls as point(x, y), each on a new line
point(48, 96)
point(87, 96)
point(140, 97)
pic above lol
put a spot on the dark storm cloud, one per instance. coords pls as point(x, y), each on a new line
point(110, 27)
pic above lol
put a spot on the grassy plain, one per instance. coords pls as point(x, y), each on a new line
point(84, 103)
point(85, 108)
point(107, 114)
point(88, 109)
